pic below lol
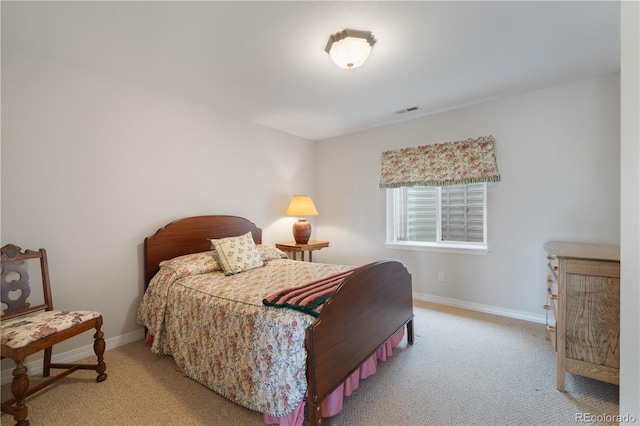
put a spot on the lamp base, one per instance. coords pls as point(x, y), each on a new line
point(301, 231)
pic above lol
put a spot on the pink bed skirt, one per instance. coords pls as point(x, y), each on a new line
point(332, 405)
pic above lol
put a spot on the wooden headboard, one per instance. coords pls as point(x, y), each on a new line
point(191, 235)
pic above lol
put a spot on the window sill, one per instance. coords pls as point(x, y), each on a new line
point(441, 247)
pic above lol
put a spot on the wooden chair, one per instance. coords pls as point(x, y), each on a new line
point(29, 329)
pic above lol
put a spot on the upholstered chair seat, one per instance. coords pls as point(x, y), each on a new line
point(24, 330)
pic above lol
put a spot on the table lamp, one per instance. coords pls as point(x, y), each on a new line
point(301, 205)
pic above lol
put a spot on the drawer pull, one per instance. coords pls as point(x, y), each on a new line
point(553, 296)
point(548, 307)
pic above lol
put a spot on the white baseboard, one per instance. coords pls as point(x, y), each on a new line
point(35, 367)
point(495, 310)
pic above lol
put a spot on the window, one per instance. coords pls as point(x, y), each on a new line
point(442, 218)
point(436, 195)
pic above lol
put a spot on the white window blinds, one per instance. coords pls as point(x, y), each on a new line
point(440, 214)
point(462, 213)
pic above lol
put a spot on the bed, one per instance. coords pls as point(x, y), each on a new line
point(366, 313)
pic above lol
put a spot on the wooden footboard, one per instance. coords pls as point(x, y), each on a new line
point(365, 311)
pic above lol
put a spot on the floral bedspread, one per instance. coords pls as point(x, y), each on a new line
point(220, 334)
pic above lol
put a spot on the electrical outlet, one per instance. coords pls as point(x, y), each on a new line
point(440, 276)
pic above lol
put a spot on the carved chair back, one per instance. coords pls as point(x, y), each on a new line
point(16, 283)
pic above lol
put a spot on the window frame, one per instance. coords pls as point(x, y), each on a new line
point(392, 242)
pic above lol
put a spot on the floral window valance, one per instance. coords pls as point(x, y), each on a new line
point(441, 164)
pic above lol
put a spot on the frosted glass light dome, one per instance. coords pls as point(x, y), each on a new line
point(350, 48)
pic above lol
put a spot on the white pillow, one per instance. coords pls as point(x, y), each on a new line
point(237, 254)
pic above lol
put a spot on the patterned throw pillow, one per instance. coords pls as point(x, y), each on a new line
point(270, 253)
point(237, 254)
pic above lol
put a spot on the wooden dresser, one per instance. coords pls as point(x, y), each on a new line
point(583, 319)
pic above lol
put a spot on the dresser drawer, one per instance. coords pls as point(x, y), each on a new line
point(552, 271)
point(551, 336)
point(552, 294)
point(552, 286)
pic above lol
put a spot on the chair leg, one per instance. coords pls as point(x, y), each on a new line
point(46, 367)
point(19, 388)
point(98, 348)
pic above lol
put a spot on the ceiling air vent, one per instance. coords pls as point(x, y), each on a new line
point(402, 111)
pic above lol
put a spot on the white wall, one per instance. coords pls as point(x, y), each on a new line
point(630, 239)
point(91, 166)
point(558, 153)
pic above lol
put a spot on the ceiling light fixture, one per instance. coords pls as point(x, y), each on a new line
point(350, 48)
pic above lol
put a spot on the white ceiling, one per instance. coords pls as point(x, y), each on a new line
point(265, 62)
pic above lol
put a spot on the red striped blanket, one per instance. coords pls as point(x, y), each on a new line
point(307, 298)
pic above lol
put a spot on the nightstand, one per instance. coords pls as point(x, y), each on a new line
point(295, 248)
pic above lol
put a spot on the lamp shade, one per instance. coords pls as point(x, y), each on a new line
point(301, 205)
point(350, 48)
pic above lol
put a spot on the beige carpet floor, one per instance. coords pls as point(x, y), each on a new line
point(465, 368)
